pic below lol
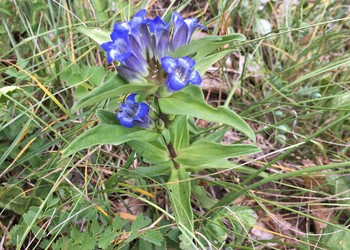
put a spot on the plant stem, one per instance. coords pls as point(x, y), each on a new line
point(169, 144)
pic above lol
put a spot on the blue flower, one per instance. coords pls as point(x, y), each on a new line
point(130, 44)
point(118, 49)
point(161, 36)
point(134, 113)
point(183, 30)
point(141, 44)
point(180, 72)
point(140, 40)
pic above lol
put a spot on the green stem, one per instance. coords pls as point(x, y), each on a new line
point(169, 144)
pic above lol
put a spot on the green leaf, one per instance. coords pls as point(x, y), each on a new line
point(225, 164)
point(106, 238)
point(140, 222)
point(98, 35)
point(111, 89)
point(108, 134)
point(201, 194)
point(100, 10)
point(196, 46)
point(163, 168)
point(340, 185)
point(30, 215)
point(14, 198)
point(203, 152)
point(203, 65)
point(16, 233)
point(210, 43)
point(335, 238)
point(118, 223)
point(341, 101)
point(179, 190)
point(152, 152)
point(107, 117)
point(153, 236)
point(180, 133)
point(190, 101)
point(243, 220)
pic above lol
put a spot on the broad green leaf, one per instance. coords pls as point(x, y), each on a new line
point(101, 10)
point(106, 238)
point(340, 185)
point(246, 220)
point(195, 46)
point(179, 190)
point(153, 236)
point(341, 101)
point(118, 223)
point(15, 199)
point(225, 164)
point(179, 133)
point(242, 220)
point(140, 222)
point(203, 152)
point(210, 43)
point(217, 135)
point(108, 134)
point(335, 238)
point(190, 101)
point(201, 194)
point(152, 152)
point(203, 65)
point(163, 168)
point(96, 34)
point(111, 90)
point(107, 117)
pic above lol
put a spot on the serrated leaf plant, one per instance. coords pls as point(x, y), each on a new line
point(159, 73)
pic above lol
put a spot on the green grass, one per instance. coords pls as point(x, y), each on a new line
point(291, 85)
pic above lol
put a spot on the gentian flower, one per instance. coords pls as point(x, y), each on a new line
point(130, 44)
point(134, 113)
point(118, 49)
point(180, 72)
point(183, 30)
point(141, 46)
point(161, 36)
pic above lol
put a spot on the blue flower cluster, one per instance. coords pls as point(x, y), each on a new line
point(142, 47)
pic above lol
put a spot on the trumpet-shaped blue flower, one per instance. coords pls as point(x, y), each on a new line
point(134, 113)
point(161, 36)
point(180, 72)
point(118, 49)
point(183, 30)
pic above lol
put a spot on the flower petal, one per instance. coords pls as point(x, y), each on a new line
point(142, 111)
point(130, 75)
point(162, 44)
point(157, 24)
point(118, 49)
point(169, 64)
point(174, 83)
point(195, 78)
point(186, 62)
point(130, 98)
point(180, 35)
point(138, 18)
point(138, 65)
point(126, 121)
